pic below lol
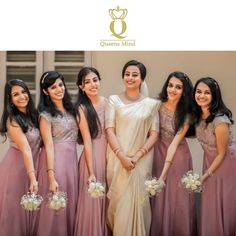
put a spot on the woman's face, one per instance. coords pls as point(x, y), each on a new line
point(91, 84)
point(175, 89)
point(56, 91)
point(132, 77)
point(19, 98)
point(203, 96)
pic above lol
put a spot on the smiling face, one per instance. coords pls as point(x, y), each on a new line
point(91, 84)
point(56, 91)
point(132, 77)
point(19, 98)
point(174, 89)
point(203, 95)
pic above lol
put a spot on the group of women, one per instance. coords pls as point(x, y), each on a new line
point(126, 139)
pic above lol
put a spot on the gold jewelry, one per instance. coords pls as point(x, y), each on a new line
point(30, 171)
point(170, 162)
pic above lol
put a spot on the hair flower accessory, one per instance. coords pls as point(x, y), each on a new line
point(31, 201)
point(57, 200)
point(96, 189)
point(191, 182)
point(154, 186)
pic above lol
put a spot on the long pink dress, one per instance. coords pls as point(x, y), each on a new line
point(91, 212)
point(173, 210)
point(14, 183)
point(218, 204)
point(64, 133)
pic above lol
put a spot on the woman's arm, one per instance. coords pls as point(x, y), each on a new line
point(222, 137)
point(84, 129)
point(19, 138)
point(172, 149)
point(115, 146)
point(151, 140)
point(46, 133)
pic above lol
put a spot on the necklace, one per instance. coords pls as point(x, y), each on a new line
point(132, 99)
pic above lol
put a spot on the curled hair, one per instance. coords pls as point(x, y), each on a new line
point(140, 65)
point(86, 105)
point(46, 104)
point(217, 106)
point(11, 112)
point(184, 106)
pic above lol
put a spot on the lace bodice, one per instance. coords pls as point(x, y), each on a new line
point(64, 128)
point(206, 133)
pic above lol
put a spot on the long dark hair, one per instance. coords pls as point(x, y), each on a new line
point(86, 105)
point(11, 112)
point(140, 65)
point(46, 104)
point(217, 106)
point(184, 106)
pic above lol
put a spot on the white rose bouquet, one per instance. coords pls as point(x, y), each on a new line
point(31, 201)
point(154, 186)
point(57, 200)
point(96, 189)
point(191, 181)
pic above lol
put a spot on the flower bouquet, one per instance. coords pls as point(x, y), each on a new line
point(96, 189)
point(57, 200)
point(31, 201)
point(154, 186)
point(191, 182)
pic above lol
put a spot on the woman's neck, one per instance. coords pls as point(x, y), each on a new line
point(171, 105)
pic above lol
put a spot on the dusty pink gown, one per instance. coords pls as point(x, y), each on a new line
point(91, 212)
point(218, 205)
point(64, 133)
point(173, 210)
point(14, 183)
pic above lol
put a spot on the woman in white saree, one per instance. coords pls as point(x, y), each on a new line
point(132, 129)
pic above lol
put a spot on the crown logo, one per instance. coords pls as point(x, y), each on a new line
point(118, 25)
point(118, 13)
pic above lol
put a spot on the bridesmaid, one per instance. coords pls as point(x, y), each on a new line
point(91, 213)
point(214, 132)
point(58, 167)
point(173, 210)
point(131, 126)
point(17, 169)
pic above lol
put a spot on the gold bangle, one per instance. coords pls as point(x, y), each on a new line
point(170, 162)
point(145, 149)
point(117, 151)
point(142, 151)
point(30, 171)
point(209, 173)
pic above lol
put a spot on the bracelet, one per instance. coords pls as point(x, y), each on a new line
point(209, 173)
point(51, 170)
point(142, 151)
point(30, 171)
point(145, 149)
point(170, 162)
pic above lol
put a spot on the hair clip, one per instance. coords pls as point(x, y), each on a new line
point(44, 78)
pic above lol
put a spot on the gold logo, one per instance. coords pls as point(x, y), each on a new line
point(118, 25)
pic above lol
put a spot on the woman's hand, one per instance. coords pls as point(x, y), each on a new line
point(135, 159)
point(53, 186)
point(127, 163)
point(33, 186)
point(91, 178)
